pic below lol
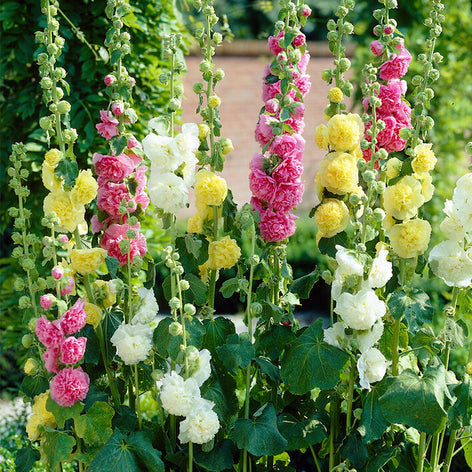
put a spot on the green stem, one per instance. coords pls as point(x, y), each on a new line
point(315, 458)
point(469, 357)
point(450, 450)
point(213, 273)
point(173, 431)
point(172, 66)
point(395, 342)
point(352, 378)
point(331, 311)
point(421, 452)
point(334, 420)
point(190, 457)
point(435, 451)
point(138, 401)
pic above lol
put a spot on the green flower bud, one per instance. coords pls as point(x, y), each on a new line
point(217, 38)
point(369, 176)
point(189, 309)
point(24, 302)
point(52, 49)
point(19, 284)
point(198, 87)
point(175, 329)
point(45, 123)
point(468, 148)
point(256, 308)
point(27, 340)
point(205, 66)
point(63, 107)
point(331, 25)
point(226, 146)
point(344, 64)
point(163, 78)
point(174, 104)
point(174, 303)
point(46, 83)
point(178, 89)
point(361, 165)
point(354, 199)
point(136, 263)
point(60, 73)
point(332, 36)
point(184, 285)
point(380, 187)
point(219, 74)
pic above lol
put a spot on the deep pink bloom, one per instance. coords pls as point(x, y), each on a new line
point(96, 225)
point(256, 161)
point(303, 63)
point(289, 170)
point(114, 168)
point(258, 204)
point(276, 226)
point(118, 109)
point(288, 145)
point(263, 132)
point(133, 142)
point(74, 319)
point(306, 12)
point(114, 234)
point(58, 272)
point(273, 43)
point(303, 84)
point(69, 385)
point(109, 79)
point(46, 301)
point(262, 186)
point(107, 128)
point(70, 283)
point(403, 115)
point(299, 40)
point(49, 333)
point(271, 106)
point(50, 357)
point(388, 29)
point(109, 198)
point(72, 350)
point(376, 47)
point(390, 95)
point(287, 196)
point(396, 67)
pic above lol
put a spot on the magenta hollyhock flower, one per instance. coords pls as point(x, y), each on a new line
point(303, 84)
point(258, 204)
point(306, 11)
point(96, 225)
point(299, 40)
point(403, 115)
point(273, 43)
point(262, 186)
point(388, 29)
point(303, 63)
point(49, 333)
point(271, 106)
point(263, 132)
point(256, 161)
point(117, 109)
point(114, 234)
point(108, 127)
point(114, 168)
point(57, 272)
point(109, 79)
point(287, 196)
point(51, 357)
point(376, 47)
point(109, 198)
point(289, 170)
point(70, 284)
point(288, 145)
point(72, 350)
point(133, 142)
point(74, 319)
point(276, 226)
point(396, 67)
point(69, 386)
point(390, 95)
point(46, 301)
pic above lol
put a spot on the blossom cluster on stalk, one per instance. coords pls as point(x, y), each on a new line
point(275, 177)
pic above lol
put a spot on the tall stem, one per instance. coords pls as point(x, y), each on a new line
point(350, 393)
point(435, 451)
point(334, 420)
point(395, 342)
point(190, 457)
point(421, 452)
point(138, 401)
point(450, 450)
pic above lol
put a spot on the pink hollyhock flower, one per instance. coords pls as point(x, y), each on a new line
point(256, 161)
point(133, 142)
point(70, 284)
point(390, 95)
point(289, 170)
point(396, 67)
point(57, 272)
point(109, 198)
point(258, 204)
point(114, 168)
point(72, 350)
point(276, 226)
point(273, 43)
point(46, 301)
point(262, 186)
point(303, 84)
point(288, 145)
point(296, 122)
point(117, 109)
point(376, 47)
point(96, 225)
point(114, 234)
point(74, 319)
point(107, 128)
point(403, 115)
point(49, 334)
point(306, 11)
point(135, 158)
point(388, 29)
point(287, 196)
point(63, 238)
point(132, 81)
point(299, 40)
point(142, 199)
point(271, 106)
point(109, 79)
point(263, 132)
point(69, 385)
point(269, 91)
point(50, 357)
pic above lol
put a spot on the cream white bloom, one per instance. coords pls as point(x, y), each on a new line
point(132, 342)
point(163, 152)
point(372, 367)
point(178, 396)
point(451, 263)
point(381, 271)
point(187, 141)
point(347, 262)
point(201, 368)
point(451, 226)
point(201, 423)
point(336, 335)
point(462, 199)
point(360, 311)
point(369, 338)
point(146, 308)
point(159, 125)
point(167, 191)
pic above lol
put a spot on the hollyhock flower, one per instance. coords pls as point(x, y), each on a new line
point(133, 342)
point(187, 141)
point(331, 217)
point(462, 200)
point(133, 142)
point(388, 29)
point(396, 67)
point(200, 368)
point(403, 114)
point(271, 106)
point(72, 350)
point(85, 188)
point(69, 287)
point(381, 270)
point(424, 159)
point(263, 133)
point(97, 225)
point(74, 319)
point(223, 254)
point(118, 109)
point(178, 395)
point(336, 335)
point(303, 84)
point(367, 339)
point(376, 47)
point(299, 40)
point(86, 261)
point(167, 191)
point(57, 272)
point(390, 95)
point(257, 161)
point(200, 425)
point(70, 214)
point(40, 416)
point(403, 199)
point(94, 314)
point(162, 151)
point(46, 301)
point(348, 264)
point(273, 43)
point(345, 131)
point(372, 367)
point(262, 186)
point(108, 127)
point(289, 170)
point(338, 172)
point(111, 240)
point(109, 79)
point(114, 168)
point(411, 238)
point(287, 196)
point(451, 226)
point(52, 157)
point(276, 226)
point(51, 358)
point(109, 198)
point(306, 11)
point(146, 308)
point(49, 333)
point(69, 386)
point(210, 189)
point(302, 64)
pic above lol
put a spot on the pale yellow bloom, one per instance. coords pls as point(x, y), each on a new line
point(335, 95)
point(31, 366)
point(52, 157)
point(411, 238)
point(195, 223)
point(105, 297)
point(69, 213)
point(424, 159)
point(345, 131)
point(319, 189)
point(394, 166)
point(40, 416)
point(94, 314)
point(321, 137)
point(87, 261)
point(338, 173)
point(50, 181)
point(403, 199)
point(427, 187)
point(210, 189)
point(203, 272)
point(388, 222)
point(331, 217)
point(223, 254)
point(85, 188)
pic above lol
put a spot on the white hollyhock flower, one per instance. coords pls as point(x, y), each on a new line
point(201, 368)
point(451, 226)
point(347, 262)
point(187, 141)
point(178, 395)
point(381, 271)
point(360, 311)
point(188, 170)
point(372, 367)
point(132, 342)
point(462, 199)
point(146, 308)
point(201, 423)
point(167, 191)
point(336, 335)
point(367, 339)
point(159, 125)
point(163, 152)
point(451, 263)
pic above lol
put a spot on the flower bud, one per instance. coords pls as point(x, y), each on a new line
point(327, 75)
point(175, 329)
point(46, 83)
point(205, 66)
point(24, 302)
point(184, 285)
point(118, 109)
point(45, 123)
point(379, 215)
point(354, 199)
point(226, 146)
point(58, 272)
point(256, 308)
point(174, 303)
point(174, 104)
point(198, 87)
point(27, 340)
point(468, 368)
point(31, 366)
point(219, 74)
point(217, 38)
point(214, 101)
point(468, 148)
point(189, 309)
point(63, 107)
point(368, 176)
point(344, 64)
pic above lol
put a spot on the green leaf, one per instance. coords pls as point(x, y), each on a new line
point(198, 289)
point(311, 363)
point(354, 450)
point(455, 332)
point(467, 451)
point(26, 458)
point(303, 285)
point(67, 170)
point(193, 245)
point(216, 332)
point(118, 143)
point(219, 459)
point(287, 40)
point(417, 401)
point(460, 414)
point(259, 435)
point(285, 114)
point(328, 245)
point(115, 456)
point(237, 352)
point(414, 305)
point(271, 79)
point(95, 426)
point(272, 312)
point(300, 434)
point(32, 386)
point(115, 56)
point(373, 424)
point(141, 444)
point(125, 419)
point(284, 84)
point(92, 353)
point(63, 413)
point(112, 265)
point(57, 447)
point(229, 287)
point(271, 370)
point(162, 337)
point(375, 463)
